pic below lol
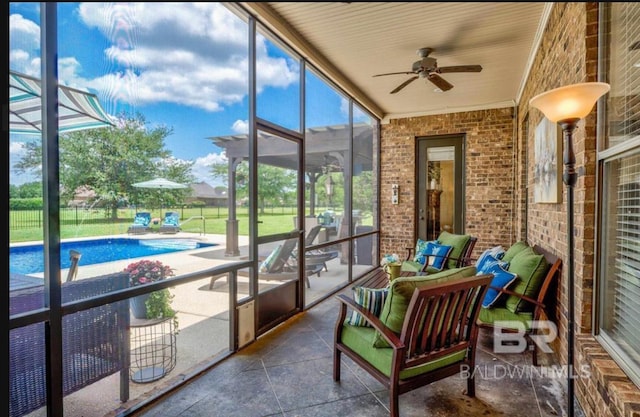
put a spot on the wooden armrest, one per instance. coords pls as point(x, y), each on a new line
point(522, 296)
point(375, 322)
point(426, 261)
point(409, 252)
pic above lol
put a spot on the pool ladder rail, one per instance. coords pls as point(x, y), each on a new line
point(201, 231)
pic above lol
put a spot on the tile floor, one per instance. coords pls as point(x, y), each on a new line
point(288, 372)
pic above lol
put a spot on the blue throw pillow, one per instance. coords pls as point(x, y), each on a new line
point(436, 254)
point(497, 252)
point(484, 264)
point(501, 279)
point(421, 245)
point(371, 299)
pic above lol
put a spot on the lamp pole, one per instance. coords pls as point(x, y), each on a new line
point(566, 106)
point(570, 177)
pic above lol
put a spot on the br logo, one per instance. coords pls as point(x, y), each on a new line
point(513, 340)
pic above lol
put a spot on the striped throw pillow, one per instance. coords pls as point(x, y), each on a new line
point(371, 299)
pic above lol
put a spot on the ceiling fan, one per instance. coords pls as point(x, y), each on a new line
point(427, 67)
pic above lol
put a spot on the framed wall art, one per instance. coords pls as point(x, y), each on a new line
point(547, 154)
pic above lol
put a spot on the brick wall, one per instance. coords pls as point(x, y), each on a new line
point(489, 175)
point(500, 208)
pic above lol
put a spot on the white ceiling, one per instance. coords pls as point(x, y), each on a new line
point(354, 41)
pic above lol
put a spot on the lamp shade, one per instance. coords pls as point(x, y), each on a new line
point(569, 102)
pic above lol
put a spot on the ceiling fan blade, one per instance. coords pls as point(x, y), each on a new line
point(404, 84)
point(459, 68)
point(440, 82)
point(394, 73)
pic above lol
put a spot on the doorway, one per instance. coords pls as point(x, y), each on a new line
point(440, 186)
point(279, 167)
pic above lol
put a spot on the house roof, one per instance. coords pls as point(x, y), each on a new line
point(204, 190)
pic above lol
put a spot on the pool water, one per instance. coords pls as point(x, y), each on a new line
point(29, 259)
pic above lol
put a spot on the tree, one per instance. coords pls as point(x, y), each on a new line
point(26, 190)
point(363, 196)
point(273, 182)
point(109, 160)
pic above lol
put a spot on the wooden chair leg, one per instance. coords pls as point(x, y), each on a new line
point(336, 365)
point(394, 407)
point(471, 385)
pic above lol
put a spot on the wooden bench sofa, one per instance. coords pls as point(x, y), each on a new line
point(526, 301)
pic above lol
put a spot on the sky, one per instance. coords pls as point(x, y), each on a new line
point(181, 65)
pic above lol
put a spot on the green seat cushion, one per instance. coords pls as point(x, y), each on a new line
point(457, 242)
point(501, 314)
point(514, 250)
point(412, 266)
point(359, 340)
point(531, 269)
point(400, 293)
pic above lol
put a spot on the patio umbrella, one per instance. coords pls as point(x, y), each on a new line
point(159, 183)
point(77, 109)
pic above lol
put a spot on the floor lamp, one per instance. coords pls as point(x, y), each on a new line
point(566, 106)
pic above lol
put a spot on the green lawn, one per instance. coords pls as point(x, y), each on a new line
point(96, 223)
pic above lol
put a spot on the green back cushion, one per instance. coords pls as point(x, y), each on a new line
point(458, 242)
point(514, 250)
point(531, 269)
point(400, 293)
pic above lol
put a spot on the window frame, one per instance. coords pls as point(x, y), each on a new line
point(606, 154)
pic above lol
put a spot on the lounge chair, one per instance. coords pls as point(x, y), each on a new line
point(171, 223)
point(279, 265)
point(317, 256)
point(141, 223)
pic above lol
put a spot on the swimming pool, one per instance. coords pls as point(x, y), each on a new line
point(29, 259)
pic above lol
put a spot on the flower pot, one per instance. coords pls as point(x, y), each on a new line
point(393, 269)
point(138, 306)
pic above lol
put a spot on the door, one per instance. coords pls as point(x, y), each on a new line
point(278, 197)
point(440, 187)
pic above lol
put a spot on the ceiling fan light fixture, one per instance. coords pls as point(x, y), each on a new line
point(427, 68)
point(437, 90)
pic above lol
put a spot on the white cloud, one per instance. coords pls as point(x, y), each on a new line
point(16, 152)
point(24, 43)
point(240, 126)
point(16, 149)
point(201, 169)
point(189, 53)
point(192, 54)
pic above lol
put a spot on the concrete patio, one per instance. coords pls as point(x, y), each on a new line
point(288, 372)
